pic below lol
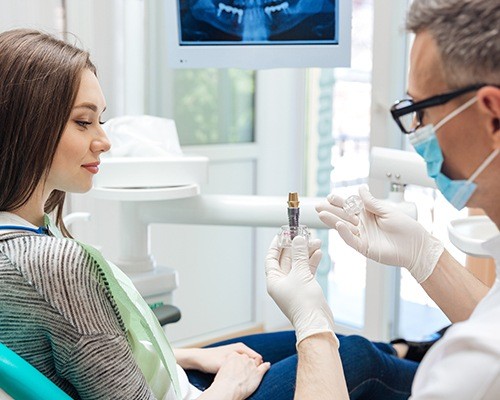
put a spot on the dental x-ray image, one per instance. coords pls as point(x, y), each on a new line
point(252, 22)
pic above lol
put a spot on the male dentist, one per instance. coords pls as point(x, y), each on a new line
point(452, 117)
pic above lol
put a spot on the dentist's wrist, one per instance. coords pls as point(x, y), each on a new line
point(317, 322)
point(311, 333)
point(431, 251)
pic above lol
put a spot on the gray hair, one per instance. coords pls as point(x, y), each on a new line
point(467, 33)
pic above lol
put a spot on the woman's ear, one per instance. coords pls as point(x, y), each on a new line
point(489, 103)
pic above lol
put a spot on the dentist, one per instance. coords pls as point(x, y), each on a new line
point(452, 117)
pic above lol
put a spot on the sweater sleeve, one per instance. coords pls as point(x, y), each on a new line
point(89, 345)
point(102, 367)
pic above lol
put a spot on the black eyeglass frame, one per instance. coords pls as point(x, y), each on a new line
point(433, 101)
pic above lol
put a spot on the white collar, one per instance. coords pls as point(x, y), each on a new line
point(11, 218)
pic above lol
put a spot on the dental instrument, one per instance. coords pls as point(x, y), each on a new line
point(289, 232)
point(293, 213)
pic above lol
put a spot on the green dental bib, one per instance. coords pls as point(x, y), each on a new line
point(148, 342)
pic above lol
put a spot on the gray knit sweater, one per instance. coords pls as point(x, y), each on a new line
point(58, 314)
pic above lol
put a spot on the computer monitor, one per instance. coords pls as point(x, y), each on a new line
point(258, 34)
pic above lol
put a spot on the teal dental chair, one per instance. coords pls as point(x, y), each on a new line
point(21, 381)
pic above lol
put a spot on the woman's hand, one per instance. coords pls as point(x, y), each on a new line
point(211, 359)
point(238, 377)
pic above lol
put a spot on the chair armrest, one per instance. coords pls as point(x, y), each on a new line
point(167, 314)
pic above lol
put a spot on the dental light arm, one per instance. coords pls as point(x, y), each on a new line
point(399, 167)
point(253, 211)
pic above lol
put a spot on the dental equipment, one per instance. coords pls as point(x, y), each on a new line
point(285, 236)
point(353, 205)
point(399, 168)
point(264, 34)
point(289, 232)
point(293, 213)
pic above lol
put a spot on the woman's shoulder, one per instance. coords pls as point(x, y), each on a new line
point(36, 253)
point(65, 276)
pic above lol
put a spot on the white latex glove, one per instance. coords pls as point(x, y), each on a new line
point(293, 286)
point(384, 234)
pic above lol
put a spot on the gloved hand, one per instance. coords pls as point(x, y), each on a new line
point(384, 234)
point(293, 286)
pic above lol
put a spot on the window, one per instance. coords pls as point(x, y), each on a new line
point(348, 114)
point(209, 106)
point(214, 106)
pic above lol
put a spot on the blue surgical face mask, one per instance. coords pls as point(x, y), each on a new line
point(425, 142)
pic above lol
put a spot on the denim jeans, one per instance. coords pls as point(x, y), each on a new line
point(371, 369)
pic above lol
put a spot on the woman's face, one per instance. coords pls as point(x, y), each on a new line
point(76, 160)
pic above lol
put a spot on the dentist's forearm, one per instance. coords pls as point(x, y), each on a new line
point(320, 375)
point(454, 289)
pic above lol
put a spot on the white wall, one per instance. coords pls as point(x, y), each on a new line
point(45, 15)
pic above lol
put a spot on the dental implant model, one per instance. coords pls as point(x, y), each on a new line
point(293, 213)
point(353, 205)
point(288, 232)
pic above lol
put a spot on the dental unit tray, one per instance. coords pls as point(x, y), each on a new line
point(469, 234)
point(150, 178)
point(151, 172)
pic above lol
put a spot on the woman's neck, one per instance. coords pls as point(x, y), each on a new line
point(36, 219)
point(33, 210)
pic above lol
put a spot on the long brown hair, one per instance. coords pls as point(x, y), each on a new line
point(39, 79)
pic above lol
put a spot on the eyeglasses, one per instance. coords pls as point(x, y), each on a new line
point(408, 114)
